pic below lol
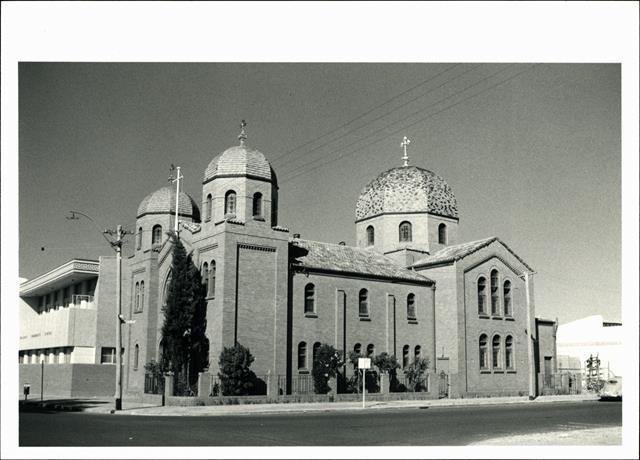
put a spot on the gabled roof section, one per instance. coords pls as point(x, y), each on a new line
point(349, 260)
point(460, 251)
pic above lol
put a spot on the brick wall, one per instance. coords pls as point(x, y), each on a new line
point(70, 380)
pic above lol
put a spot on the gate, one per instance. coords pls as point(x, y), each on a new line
point(154, 384)
point(443, 385)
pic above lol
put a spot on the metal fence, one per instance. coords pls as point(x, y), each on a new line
point(259, 385)
point(153, 384)
point(401, 383)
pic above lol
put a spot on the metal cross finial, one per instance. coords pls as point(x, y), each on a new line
point(405, 142)
point(242, 136)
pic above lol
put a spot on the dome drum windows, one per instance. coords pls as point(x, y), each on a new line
point(371, 238)
point(442, 234)
point(257, 206)
point(230, 203)
point(156, 235)
point(208, 208)
point(404, 231)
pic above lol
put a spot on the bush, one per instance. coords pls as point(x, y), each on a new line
point(236, 379)
point(325, 366)
point(415, 373)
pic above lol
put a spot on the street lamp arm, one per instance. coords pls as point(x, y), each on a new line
point(102, 230)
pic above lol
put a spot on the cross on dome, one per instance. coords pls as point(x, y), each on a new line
point(405, 142)
point(242, 136)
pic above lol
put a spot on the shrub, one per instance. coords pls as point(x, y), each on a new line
point(325, 366)
point(415, 373)
point(236, 379)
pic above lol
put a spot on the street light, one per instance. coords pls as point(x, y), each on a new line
point(117, 246)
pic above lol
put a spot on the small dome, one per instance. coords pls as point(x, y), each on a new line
point(406, 189)
point(240, 160)
point(163, 201)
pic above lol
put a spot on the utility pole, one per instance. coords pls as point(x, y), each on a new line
point(532, 393)
point(117, 246)
point(177, 181)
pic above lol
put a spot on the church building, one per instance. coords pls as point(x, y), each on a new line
point(408, 287)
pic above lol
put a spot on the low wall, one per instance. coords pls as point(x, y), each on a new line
point(69, 380)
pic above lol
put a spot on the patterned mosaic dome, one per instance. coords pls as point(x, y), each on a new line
point(240, 160)
point(407, 189)
point(164, 201)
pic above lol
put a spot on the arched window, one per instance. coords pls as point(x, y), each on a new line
point(363, 304)
point(357, 348)
point(309, 298)
point(483, 352)
point(411, 306)
point(302, 355)
point(495, 295)
point(257, 204)
point(496, 354)
point(141, 296)
point(371, 237)
point(156, 234)
point(212, 277)
point(371, 349)
point(205, 278)
point(405, 356)
point(405, 232)
point(139, 239)
point(136, 302)
point(136, 357)
point(442, 234)
point(506, 291)
point(208, 208)
point(230, 202)
point(508, 352)
point(316, 347)
point(417, 352)
point(482, 295)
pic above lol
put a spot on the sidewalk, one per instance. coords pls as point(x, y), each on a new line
point(135, 408)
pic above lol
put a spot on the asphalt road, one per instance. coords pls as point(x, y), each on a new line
point(415, 426)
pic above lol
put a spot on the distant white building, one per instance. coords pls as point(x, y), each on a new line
point(579, 339)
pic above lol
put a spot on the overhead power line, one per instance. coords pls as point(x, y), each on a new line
point(295, 149)
point(404, 127)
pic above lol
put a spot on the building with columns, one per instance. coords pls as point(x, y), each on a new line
point(408, 287)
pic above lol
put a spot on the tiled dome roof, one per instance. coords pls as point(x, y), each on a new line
point(407, 189)
point(164, 201)
point(240, 160)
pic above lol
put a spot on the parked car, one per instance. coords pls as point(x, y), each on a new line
point(612, 389)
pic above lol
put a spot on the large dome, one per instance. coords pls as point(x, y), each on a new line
point(163, 201)
point(242, 161)
point(406, 189)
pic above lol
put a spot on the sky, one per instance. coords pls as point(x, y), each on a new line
point(531, 151)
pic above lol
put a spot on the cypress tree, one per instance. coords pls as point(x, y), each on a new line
point(185, 343)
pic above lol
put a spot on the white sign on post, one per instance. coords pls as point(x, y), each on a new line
point(364, 364)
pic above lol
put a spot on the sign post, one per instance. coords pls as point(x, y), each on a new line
point(364, 364)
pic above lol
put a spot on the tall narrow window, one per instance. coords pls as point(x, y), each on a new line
point(442, 234)
point(483, 352)
point(316, 347)
point(212, 277)
point(508, 352)
point(136, 356)
point(405, 356)
point(495, 296)
point(257, 204)
point(482, 295)
point(417, 352)
point(230, 202)
point(405, 232)
point(139, 239)
point(156, 237)
point(411, 306)
point(371, 237)
point(371, 349)
point(141, 306)
point(363, 309)
point(357, 348)
point(309, 298)
point(506, 291)
point(208, 207)
point(302, 355)
point(136, 304)
point(496, 354)
point(165, 289)
point(205, 278)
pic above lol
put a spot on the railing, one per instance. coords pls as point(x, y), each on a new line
point(300, 385)
point(401, 383)
point(82, 301)
point(153, 384)
point(259, 385)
